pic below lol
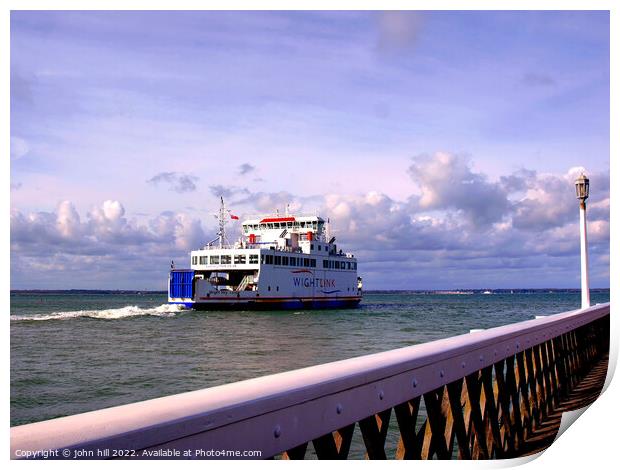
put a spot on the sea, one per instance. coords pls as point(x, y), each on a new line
point(73, 352)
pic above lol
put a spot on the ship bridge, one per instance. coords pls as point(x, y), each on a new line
point(284, 232)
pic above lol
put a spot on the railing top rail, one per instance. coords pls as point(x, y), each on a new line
point(157, 421)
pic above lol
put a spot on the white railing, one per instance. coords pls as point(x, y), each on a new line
point(283, 412)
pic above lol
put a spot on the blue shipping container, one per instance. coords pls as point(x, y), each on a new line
point(181, 284)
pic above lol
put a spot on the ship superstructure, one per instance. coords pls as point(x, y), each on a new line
point(278, 262)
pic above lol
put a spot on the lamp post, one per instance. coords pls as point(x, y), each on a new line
point(582, 186)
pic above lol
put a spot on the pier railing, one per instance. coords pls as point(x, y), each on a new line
point(478, 395)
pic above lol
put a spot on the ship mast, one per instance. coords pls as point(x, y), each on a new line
point(222, 219)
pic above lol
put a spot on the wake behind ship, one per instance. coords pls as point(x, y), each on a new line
point(278, 263)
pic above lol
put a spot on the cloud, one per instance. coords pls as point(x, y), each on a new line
point(228, 192)
point(538, 80)
point(180, 183)
point(436, 238)
point(19, 148)
point(398, 30)
point(246, 168)
point(21, 89)
point(550, 200)
point(15, 186)
point(446, 182)
point(100, 249)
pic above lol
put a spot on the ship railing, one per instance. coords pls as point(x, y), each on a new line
point(478, 395)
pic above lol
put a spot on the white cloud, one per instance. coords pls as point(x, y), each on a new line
point(446, 182)
point(439, 232)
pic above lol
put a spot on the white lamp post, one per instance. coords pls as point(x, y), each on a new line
point(582, 185)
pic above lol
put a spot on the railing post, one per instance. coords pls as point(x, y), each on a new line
point(525, 396)
point(480, 450)
point(513, 390)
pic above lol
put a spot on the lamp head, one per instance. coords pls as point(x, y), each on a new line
point(582, 186)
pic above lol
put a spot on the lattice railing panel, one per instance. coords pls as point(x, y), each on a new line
point(487, 414)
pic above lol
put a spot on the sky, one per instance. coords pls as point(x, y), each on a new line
point(443, 146)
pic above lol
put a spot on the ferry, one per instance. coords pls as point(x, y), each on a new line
point(279, 262)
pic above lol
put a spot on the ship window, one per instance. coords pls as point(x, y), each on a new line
point(319, 247)
point(203, 260)
point(312, 263)
point(337, 264)
point(303, 225)
point(269, 288)
point(278, 288)
point(325, 264)
point(285, 261)
point(278, 260)
point(312, 246)
point(253, 259)
point(239, 259)
point(289, 224)
point(225, 259)
point(294, 261)
point(214, 260)
point(348, 265)
point(306, 262)
point(269, 259)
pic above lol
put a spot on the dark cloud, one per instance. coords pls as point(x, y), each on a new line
point(517, 181)
point(246, 168)
point(538, 80)
point(21, 88)
point(227, 192)
point(178, 182)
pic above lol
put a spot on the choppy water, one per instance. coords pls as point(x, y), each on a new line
point(72, 353)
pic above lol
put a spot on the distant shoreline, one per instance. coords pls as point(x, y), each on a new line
point(379, 291)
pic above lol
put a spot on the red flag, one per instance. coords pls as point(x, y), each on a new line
point(234, 217)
